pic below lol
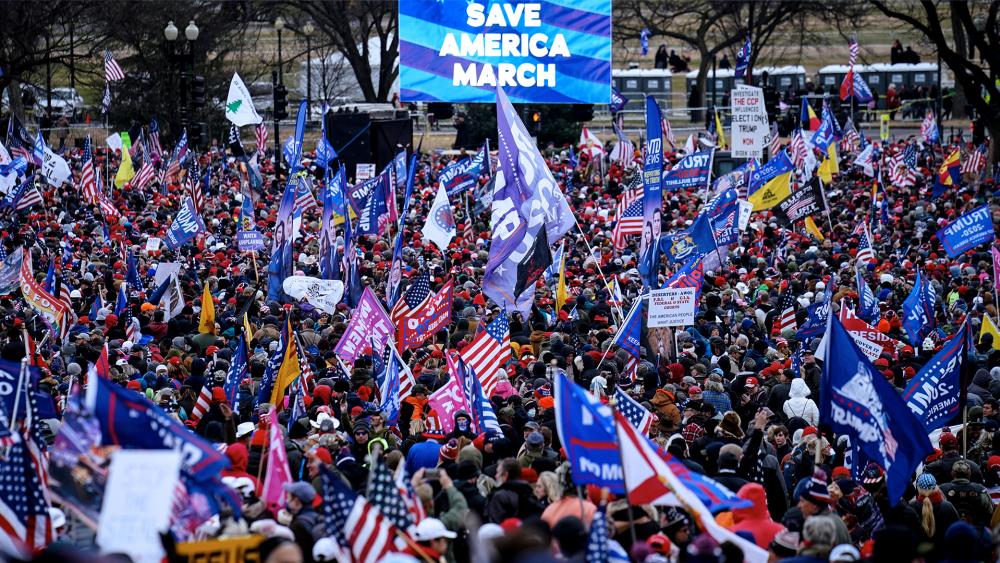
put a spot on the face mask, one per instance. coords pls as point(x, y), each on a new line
point(531, 413)
point(463, 425)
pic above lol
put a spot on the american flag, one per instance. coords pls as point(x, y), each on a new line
point(488, 352)
point(143, 176)
point(629, 222)
point(799, 149)
point(304, 198)
point(19, 141)
point(384, 496)
point(851, 137)
point(24, 509)
point(155, 150)
point(202, 405)
point(668, 132)
point(902, 167)
point(197, 192)
point(357, 525)
point(469, 233)
point(633, 411)
point(177, 158)
point(481, 408)
point(866, 253)
point(416, 296)
point(106, 99)
point(775, 145)
point(624, 151)
point(112, 72)
point(405, 490)
point(929, 128)
point(975, 162)
point(22, 197)
point(261, 133)
point(786, 319)
point(308, 378)
point(853, 49)
point(598, 540)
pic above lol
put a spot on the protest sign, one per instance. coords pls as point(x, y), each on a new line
point(746, 208)
point(750, 133)
point(461, 51)
point(152, 244)
point(164, 270)
point(248, 241)
point(134, 513)
point(673, 306)
point(364, 171)
point(324, 294)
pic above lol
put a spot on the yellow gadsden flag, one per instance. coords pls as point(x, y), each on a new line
point(206, 325)
point(990, 328)
point(562, 295)
point(812, 229)
point(289, 369)
point(772, 193)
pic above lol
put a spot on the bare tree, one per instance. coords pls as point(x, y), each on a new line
point(26, 25)
point(349, 25)
point(974, 29)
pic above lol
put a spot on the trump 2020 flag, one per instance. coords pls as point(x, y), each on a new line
point(867, 302)
point(529, 213)
point(440, 224)
point(935, 393)
point(584, 424)
point(743, 58)
point(967, 232)
point(186, 224)
point(280, 265)
point(858, 401)
point(918, 311)
point(239, 104)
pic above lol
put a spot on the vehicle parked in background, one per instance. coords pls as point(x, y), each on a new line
point(65, 102)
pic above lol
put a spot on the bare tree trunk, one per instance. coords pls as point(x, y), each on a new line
point(958, 101)
point(993, 126)
point(14, 96)
point(700, 83)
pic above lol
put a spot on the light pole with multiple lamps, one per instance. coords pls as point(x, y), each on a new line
point(279, 84)
point(308, 30)
point(184, 62)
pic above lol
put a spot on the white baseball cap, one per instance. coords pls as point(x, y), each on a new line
point(431, 529)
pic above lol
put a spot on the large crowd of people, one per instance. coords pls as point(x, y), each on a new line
point(731, 400)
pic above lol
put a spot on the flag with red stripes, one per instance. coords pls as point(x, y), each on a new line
point(629, 221)
point(112, 72)
point(488, 352)
point(355, 523)
point(786, 319)
point(202, 405)
point(143, 176)
point(260, 132)
point(975, 161)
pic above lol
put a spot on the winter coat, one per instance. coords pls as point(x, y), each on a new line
point(755, 518)
point(799, 404)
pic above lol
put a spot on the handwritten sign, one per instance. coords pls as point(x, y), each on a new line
point(134, 512)
point(750, 133)
point(242, 549)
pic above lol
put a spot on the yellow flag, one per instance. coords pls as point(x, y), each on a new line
point(812, 229)
point(125, 171)
point(289, 369)
point(831, 152)
point(824, 171)
point(561, 294)
point(248, 329)
point(207, 323)
point(772, 193)
point(990, 328)
point(720, 132)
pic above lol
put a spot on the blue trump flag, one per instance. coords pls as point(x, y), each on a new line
point(629, 337)
point(588, 434)
point(186, 224)
point(392, 286)
point(618, 101)
point(652, 197)
point(967, 232)
point(332, 196)
point(690, 172)
point(372, 219)
point(293, 146)
point(239, 370)
point(918, 311)
point(691, 274)
point(858, 401)
point(935, 394)
point(743, 58)
point(462, 176)
point(818, 313)
point(867, 302)
point(280, 265)
point(723, 210)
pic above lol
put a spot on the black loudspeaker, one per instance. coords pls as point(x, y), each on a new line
point(388, 136)
point(346, 132)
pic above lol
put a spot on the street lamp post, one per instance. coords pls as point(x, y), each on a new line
point(307, 30)
point(48, 76)
point(183, 61)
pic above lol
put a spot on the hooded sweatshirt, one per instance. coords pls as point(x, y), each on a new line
point(755, 518)
point(239, 457)
point(799, 404)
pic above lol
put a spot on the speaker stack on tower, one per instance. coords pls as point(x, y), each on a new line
point(387, 132)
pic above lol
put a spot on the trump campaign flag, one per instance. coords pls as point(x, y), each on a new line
point(918, 311)
point(280, 265)
point(867, 302)
point(433, 315)
point(584, 425)
point(858, 401)
point(967, 232)
point(463, 175)
point(691, 274)
point(439, 227)
point(186, 224)
point(529, 213)
point(690, 172)
point(652, 197)
point(935, 393)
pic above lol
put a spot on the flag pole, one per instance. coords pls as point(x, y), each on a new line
point(613, 403)
point(621, 315)
point(17, 393)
